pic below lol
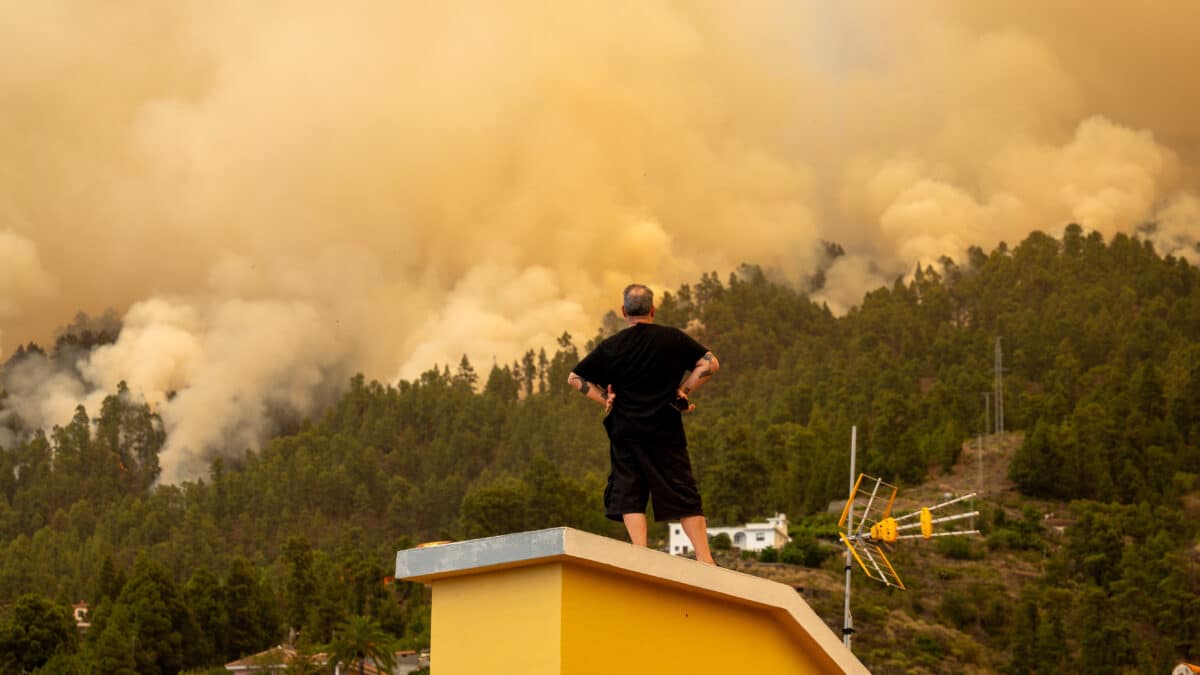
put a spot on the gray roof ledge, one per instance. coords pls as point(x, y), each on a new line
point(563, 544)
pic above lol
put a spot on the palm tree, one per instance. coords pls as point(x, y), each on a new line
point(360, 638)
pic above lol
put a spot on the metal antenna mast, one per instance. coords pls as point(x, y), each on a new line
point(878, 528)
point(847, 620)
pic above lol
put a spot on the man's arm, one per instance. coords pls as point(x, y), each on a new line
point(590, 390)
point(703, 370)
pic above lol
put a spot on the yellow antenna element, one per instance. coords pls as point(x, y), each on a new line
point(853, 552)
point(846, 508)
point(876, 566)
point(884, 530)
point(887, 512)
point(869, 509)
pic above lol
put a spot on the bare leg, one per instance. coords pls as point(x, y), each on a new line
point(696, 529)
point(636, 524)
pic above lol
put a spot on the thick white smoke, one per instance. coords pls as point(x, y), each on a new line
point(1174, 229)
point(222, 374)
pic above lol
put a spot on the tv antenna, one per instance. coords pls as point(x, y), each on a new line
point(871, 500)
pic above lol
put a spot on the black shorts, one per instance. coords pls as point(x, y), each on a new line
point(641, 471)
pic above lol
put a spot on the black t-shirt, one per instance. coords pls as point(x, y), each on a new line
point(645, 364)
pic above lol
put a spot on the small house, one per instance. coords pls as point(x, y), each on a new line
point(747, 537)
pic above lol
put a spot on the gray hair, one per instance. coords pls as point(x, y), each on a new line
point(638, 299)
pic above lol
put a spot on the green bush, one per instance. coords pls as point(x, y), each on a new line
point(806, 551)
point(1016, 535)
point(720, 542)
point(768, 555)
point(956, 548)
point(791, 555)
point(947, 573)
point(959, 607)
point(1004, 539)
point(821, 525)
point(930, 645)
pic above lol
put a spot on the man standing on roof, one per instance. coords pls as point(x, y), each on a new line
point(648, 372)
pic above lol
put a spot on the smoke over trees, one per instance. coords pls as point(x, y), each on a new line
point(390, 186)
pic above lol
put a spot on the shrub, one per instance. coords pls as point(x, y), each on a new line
point(930, 645)
point(956, 548)
point(791, 555)
point(804, 550)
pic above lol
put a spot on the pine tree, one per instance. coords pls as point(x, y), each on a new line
point(36, 630)
point(151, 617)
point(249, 618)
point(300, 586)
point(205, 600)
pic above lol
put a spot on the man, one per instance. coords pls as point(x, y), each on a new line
point(648, 372)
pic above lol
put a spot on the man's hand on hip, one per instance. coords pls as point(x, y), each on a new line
point(682, 404)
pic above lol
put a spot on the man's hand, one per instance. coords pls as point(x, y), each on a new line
point(682, 404)
point(608, 401)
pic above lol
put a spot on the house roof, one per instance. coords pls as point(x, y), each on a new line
point(778, 525)
point(275, 658)
point(278, 658)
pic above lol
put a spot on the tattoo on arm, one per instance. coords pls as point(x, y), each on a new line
point(584, 387)
point(708, 356)
point(687, 390)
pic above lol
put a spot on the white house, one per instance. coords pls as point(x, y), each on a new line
point(82, 614)
point(748, 537)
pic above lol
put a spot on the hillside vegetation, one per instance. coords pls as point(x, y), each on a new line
point(1088, 558)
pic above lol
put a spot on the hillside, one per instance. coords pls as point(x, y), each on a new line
point(962, 595)
point(930, 628)
point(1088, 557)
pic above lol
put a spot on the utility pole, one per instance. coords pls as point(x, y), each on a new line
point(979, 483)
point(987, 429)
point(999, 388)
point(987, 413)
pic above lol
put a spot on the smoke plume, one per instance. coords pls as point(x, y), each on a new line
point(274, 195)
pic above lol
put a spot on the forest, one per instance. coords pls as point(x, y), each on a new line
point(297, 538)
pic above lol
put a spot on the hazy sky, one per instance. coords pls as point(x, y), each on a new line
point(276, 194)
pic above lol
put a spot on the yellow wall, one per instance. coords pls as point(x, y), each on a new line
point(507, 621)
point(620, 624)
point(561, 618)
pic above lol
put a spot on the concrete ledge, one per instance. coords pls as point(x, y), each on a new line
point(465, 557)
point(582, 549)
